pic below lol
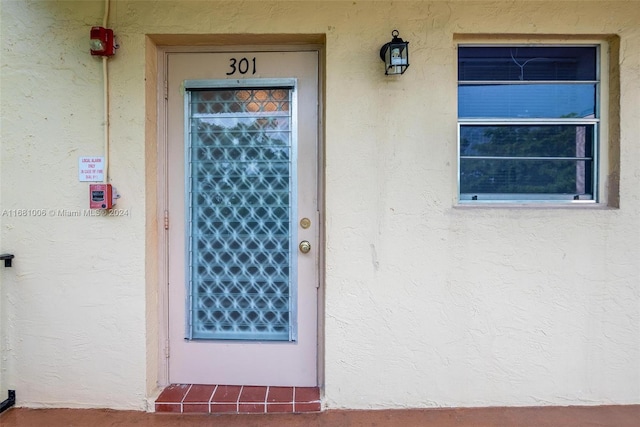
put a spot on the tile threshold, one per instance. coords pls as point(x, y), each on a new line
point(235, 399)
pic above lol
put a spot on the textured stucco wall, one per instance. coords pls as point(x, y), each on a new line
point(427, 304)
point(73, 304)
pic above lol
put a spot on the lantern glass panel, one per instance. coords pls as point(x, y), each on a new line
point(398, 54)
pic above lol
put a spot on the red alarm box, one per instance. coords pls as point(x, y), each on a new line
point(102, 42)
point(100, 196)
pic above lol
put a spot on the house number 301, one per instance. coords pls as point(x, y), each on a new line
point(242, 66)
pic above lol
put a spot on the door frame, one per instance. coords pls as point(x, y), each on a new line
point(159, 227)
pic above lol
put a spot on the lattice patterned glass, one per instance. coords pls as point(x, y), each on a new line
point(240, 197)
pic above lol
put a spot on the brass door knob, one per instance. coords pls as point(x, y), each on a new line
point(304, 246)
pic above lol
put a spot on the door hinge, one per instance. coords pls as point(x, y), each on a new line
point(166, 220)
point(166, 349)
point(166, 90)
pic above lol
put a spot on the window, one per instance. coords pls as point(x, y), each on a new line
point(528, 123)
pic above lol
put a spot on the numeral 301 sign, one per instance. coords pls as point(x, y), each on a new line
point(242, 66)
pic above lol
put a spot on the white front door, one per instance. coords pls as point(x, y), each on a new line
point(242, 159)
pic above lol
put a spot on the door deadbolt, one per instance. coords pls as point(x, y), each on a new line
point(304, 246)
point(305, 223)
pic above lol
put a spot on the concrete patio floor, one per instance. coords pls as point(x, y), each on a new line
point(596, 416)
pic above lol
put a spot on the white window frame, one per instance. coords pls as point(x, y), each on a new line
point(600, 122)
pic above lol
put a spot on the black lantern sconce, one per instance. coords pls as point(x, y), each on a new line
point(395, 55)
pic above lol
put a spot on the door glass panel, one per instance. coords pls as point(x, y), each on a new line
point(240, 210)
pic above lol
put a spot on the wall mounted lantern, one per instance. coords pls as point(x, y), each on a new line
point(395, 55)
point(102, 42)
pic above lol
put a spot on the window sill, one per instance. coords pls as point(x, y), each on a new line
point(534, 205)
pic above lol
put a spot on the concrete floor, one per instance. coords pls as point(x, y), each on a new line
point(598, 416)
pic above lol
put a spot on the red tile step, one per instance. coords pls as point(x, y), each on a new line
point(234, 399)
